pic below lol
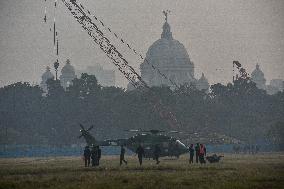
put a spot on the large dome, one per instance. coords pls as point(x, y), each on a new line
point(171, 60)
point(164, 52)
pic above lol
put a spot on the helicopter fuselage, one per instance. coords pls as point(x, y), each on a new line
point(169, 146)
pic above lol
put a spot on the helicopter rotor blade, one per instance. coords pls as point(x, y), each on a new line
point(175, 132)
point(82, 126)
point(90, 128)
point(133, 130)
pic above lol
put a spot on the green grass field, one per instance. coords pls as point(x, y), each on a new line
point(262, 171)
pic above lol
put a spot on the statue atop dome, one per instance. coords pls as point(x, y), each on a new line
point(167, 34)
point(166, 14)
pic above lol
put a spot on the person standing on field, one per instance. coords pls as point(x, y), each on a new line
point(157, 152)
point(202, 154)
point(87, 156)
point(197, 148)
point(191, 153)
point(122, 152)
point(140, 152)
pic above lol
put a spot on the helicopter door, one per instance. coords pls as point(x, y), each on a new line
point(165, 146)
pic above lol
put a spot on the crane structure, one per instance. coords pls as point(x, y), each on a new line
point(82, 16)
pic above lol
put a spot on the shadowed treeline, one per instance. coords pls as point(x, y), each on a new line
point(239, 110)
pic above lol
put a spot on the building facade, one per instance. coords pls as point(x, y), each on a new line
point(104, 77)
point(67, 74)
point(171, 58)
point(45, 76)
point(276, 85)
point(257, 76)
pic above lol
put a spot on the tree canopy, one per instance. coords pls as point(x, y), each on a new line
point(238, 109)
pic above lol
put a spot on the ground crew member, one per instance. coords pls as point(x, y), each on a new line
point(99, 151)
point(191, 153)
point(202, 153)
point(122, 152)
point(87, 156)
point(157, 152)
point(140, 152)
point(197, 147)
point(93, 155)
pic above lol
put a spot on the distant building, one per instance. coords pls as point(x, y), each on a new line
point(278, 83)
point(257, 76)
point(171, 59)
point(67, 75)
point(46, 76)
point(104, 77)
point(275, 86)
point(202, 84)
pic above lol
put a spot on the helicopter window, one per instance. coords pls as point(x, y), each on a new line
point(165, 144)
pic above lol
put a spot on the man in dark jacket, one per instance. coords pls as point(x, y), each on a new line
point(87, 156)
point(157, 152)
point(122, 152)
point(140, 152)
point(191, 153)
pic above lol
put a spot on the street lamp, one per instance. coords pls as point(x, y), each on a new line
point(56, 65)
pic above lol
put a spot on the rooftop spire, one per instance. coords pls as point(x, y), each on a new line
point(257, 66)
point(167, 34)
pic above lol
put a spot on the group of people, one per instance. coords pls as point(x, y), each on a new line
point(200, 152)
point(92, 155)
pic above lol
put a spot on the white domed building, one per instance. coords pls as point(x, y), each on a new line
point(171, 58)
point(46, 76)
point(257, 76)
point(67, 74)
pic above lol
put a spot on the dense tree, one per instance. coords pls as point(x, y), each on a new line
point(238, 109)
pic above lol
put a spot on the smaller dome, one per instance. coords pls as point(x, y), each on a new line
point(68, 68)
point(202, 83)
point(257, 77)
point(257, 72)
point(47, 74)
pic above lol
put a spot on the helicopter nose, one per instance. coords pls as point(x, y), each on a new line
point(181, 146)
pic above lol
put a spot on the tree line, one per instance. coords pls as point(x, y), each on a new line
point(238, 109)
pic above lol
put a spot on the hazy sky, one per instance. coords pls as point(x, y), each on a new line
point(214, 32)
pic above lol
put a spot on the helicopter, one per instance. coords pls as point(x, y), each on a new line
point(149, 139)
